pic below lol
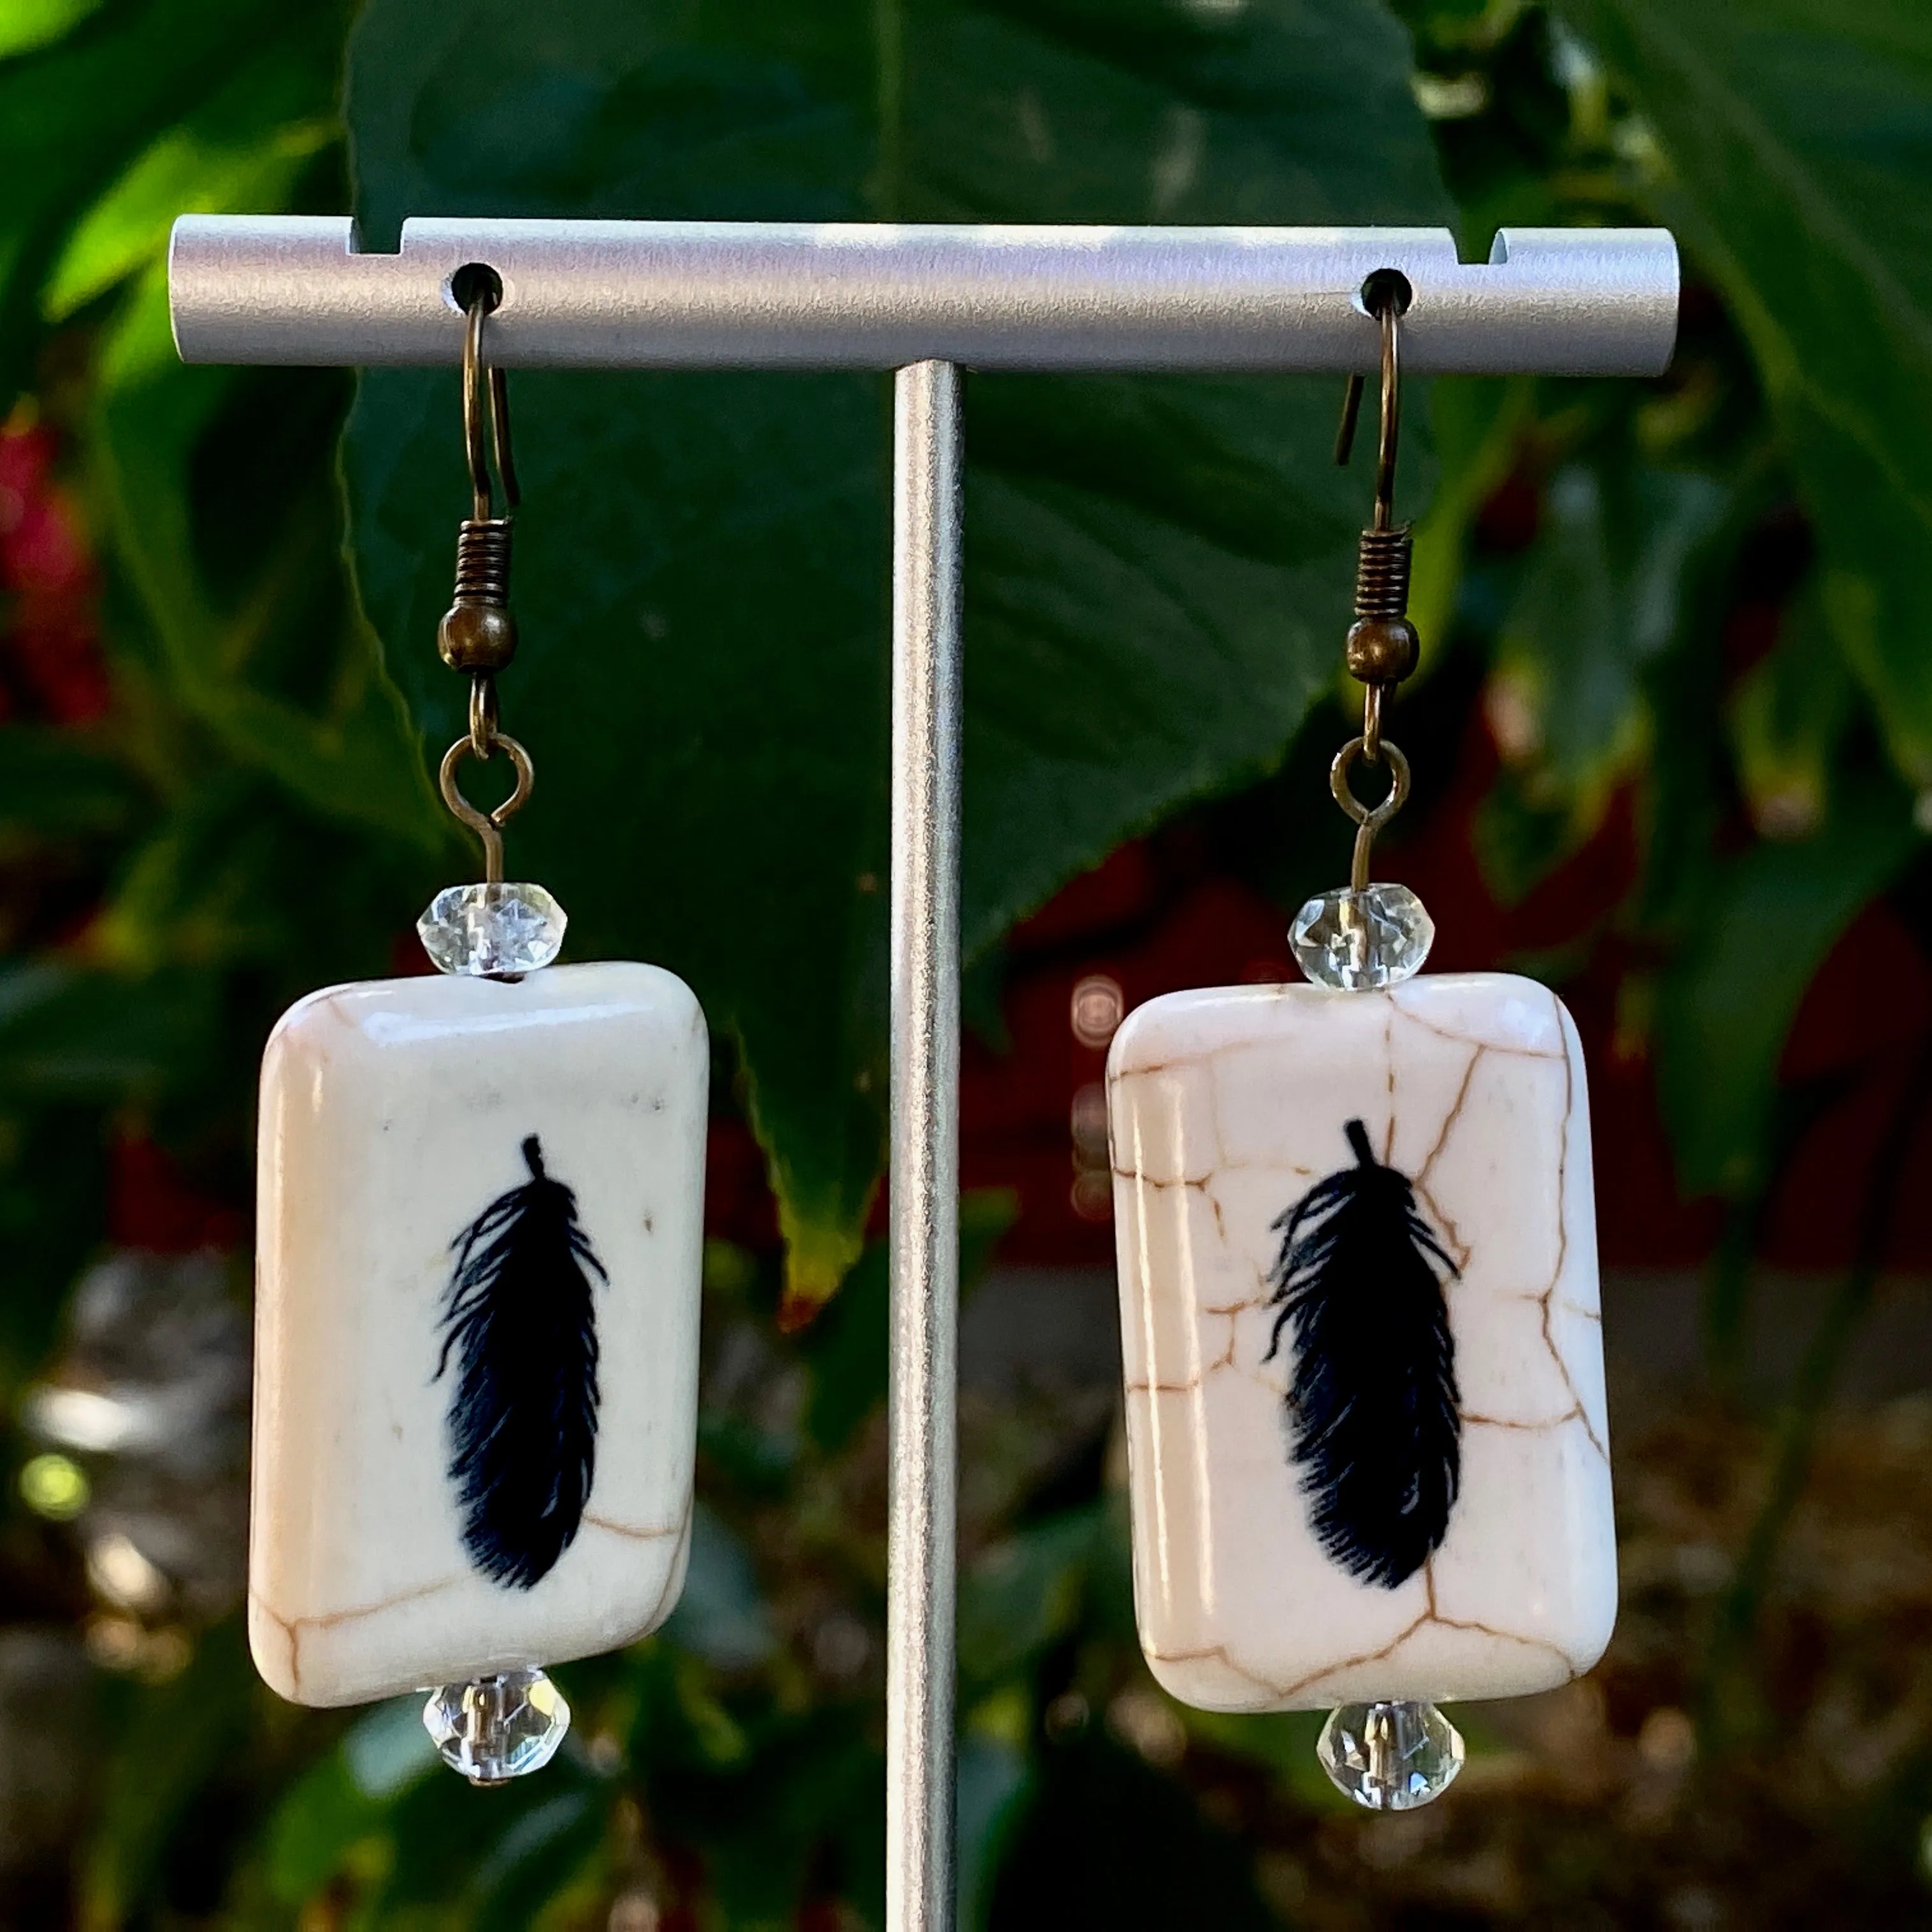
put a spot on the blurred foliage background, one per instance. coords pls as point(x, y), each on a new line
point(1674, 746)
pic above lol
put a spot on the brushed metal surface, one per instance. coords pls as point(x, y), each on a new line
point(923, 1402)
point(294, 289)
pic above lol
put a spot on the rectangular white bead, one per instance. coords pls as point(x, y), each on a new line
point(393, 1114)
point(1227, 1105)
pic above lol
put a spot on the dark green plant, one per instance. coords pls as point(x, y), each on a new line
point(1157, 576)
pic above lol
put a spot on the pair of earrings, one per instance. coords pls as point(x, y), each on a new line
point(1367, 1457)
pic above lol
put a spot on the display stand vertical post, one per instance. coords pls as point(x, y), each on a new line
point(923, 1402)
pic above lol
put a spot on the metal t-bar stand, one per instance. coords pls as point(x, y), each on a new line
point(922, 300)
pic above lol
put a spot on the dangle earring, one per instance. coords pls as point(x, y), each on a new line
point(1368, 1462)
point(480, 1210)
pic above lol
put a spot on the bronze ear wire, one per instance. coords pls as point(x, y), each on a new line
point(1382, 646)
point(477, 634)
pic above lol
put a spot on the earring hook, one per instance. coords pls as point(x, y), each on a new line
point(1383, 299)
point(477, 635)
point(476, 375)
point(1382, 645)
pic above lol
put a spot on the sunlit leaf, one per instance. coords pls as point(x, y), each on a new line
point(76, 112)
point(25, 25)
point(183, 172)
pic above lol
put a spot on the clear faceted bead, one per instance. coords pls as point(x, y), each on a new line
point(1379, 937)
point(1390, 1757)
point(484, 930)
point(493, 1729)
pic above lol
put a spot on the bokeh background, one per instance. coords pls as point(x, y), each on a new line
point(1673, 743)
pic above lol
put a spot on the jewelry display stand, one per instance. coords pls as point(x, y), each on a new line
point(922, 301)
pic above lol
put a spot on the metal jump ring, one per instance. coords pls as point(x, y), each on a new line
point(487, 826)
point(1374, 817)
point(484, 731)
point(1370, 819)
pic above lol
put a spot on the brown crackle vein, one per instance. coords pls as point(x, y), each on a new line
point(1450, 1119)
point(292, 1628)
point(657, 1611)
point(1117, 1074)
point(1562, 1656)
point(1217, 1653)
point(1388, 1061)
point(1234, 1307)
point(1548, 1295)
point(636, 1532)
point(1213, 1200)
point(1470, 1421)
point(1225, 1360)
point(1469, 1039)
point(1147, 1180)
point(1212, 1075)
point(1460, 1248)
point(1395, 1643)
point(1430, 1613)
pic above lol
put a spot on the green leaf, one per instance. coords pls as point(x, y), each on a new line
point(537, 1858)
point(1787, 719)
point(266, 647)
point(462, 1858)
point(1023, 1593)
point(338, 740)
point(721, 1616)
point(70, 1035)
point(846, 1344)
point(1759, 937)
point(76, 111)
point(1800, 177)
point(1478, 422)
point(57, 784)
point(25, 25)
point(992, 1782)
point(1603, 595)
point(177, 1737)
point(53, 1203)
point(186, 171)
point(345, 1798)
point(1157, 571)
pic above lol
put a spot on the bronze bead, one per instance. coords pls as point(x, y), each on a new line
point(476, 637)
point(1382, 650)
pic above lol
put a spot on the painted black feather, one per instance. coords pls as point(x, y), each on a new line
point(520, 1317)
point(1373, 1410)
